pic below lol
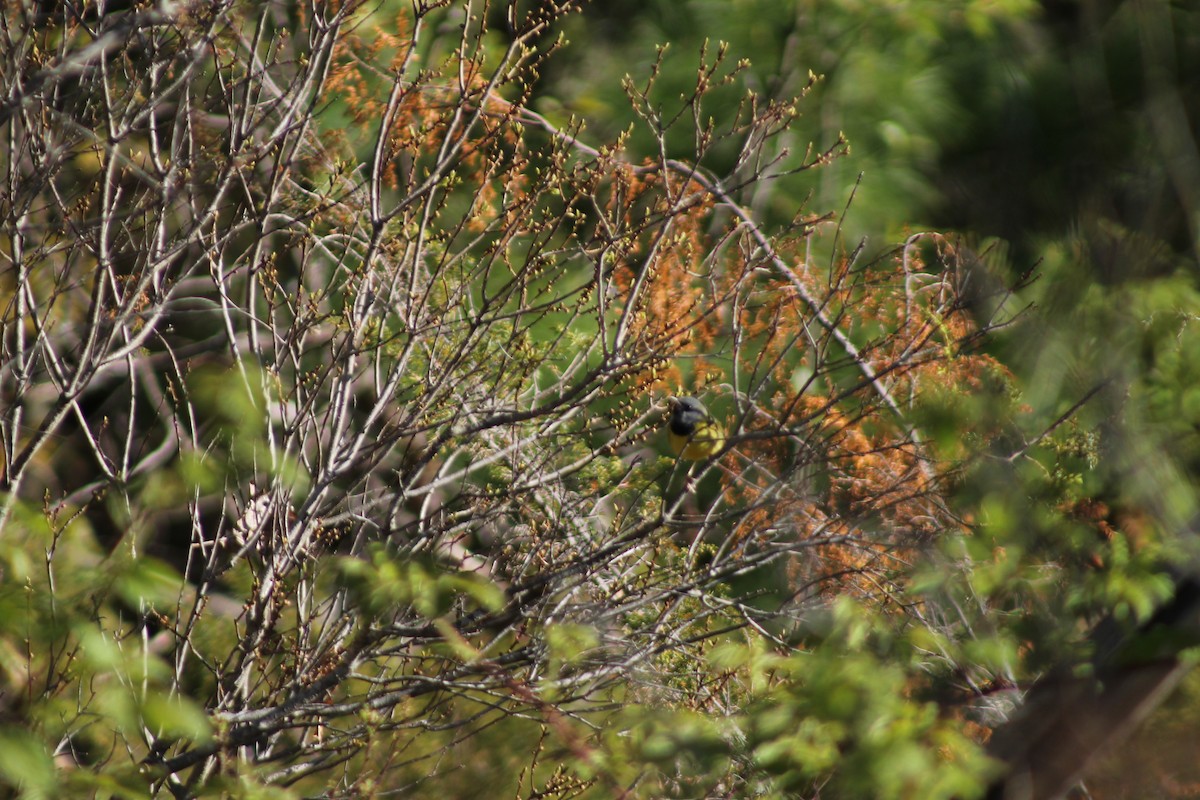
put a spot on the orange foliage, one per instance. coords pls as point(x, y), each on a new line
point(866, 487)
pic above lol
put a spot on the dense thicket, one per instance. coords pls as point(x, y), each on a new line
point(334, 361)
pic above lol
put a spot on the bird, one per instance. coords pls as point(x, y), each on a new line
point(692, 432)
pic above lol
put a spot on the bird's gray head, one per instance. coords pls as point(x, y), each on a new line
point(686, 414)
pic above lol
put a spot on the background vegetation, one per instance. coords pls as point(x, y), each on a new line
point(336, 344)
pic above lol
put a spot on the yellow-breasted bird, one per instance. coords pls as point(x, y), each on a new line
point(692, 431)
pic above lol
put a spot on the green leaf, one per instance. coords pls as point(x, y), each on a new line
point(149, 582)
point(175, 717)
point(25, 764)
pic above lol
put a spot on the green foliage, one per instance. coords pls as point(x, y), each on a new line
point(25, 765)
point(888, 79)
point(847, 705)
point(81, 673)
point(848, 700)
point(384, 582)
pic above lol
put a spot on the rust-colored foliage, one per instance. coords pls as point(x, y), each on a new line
point(864, 489)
